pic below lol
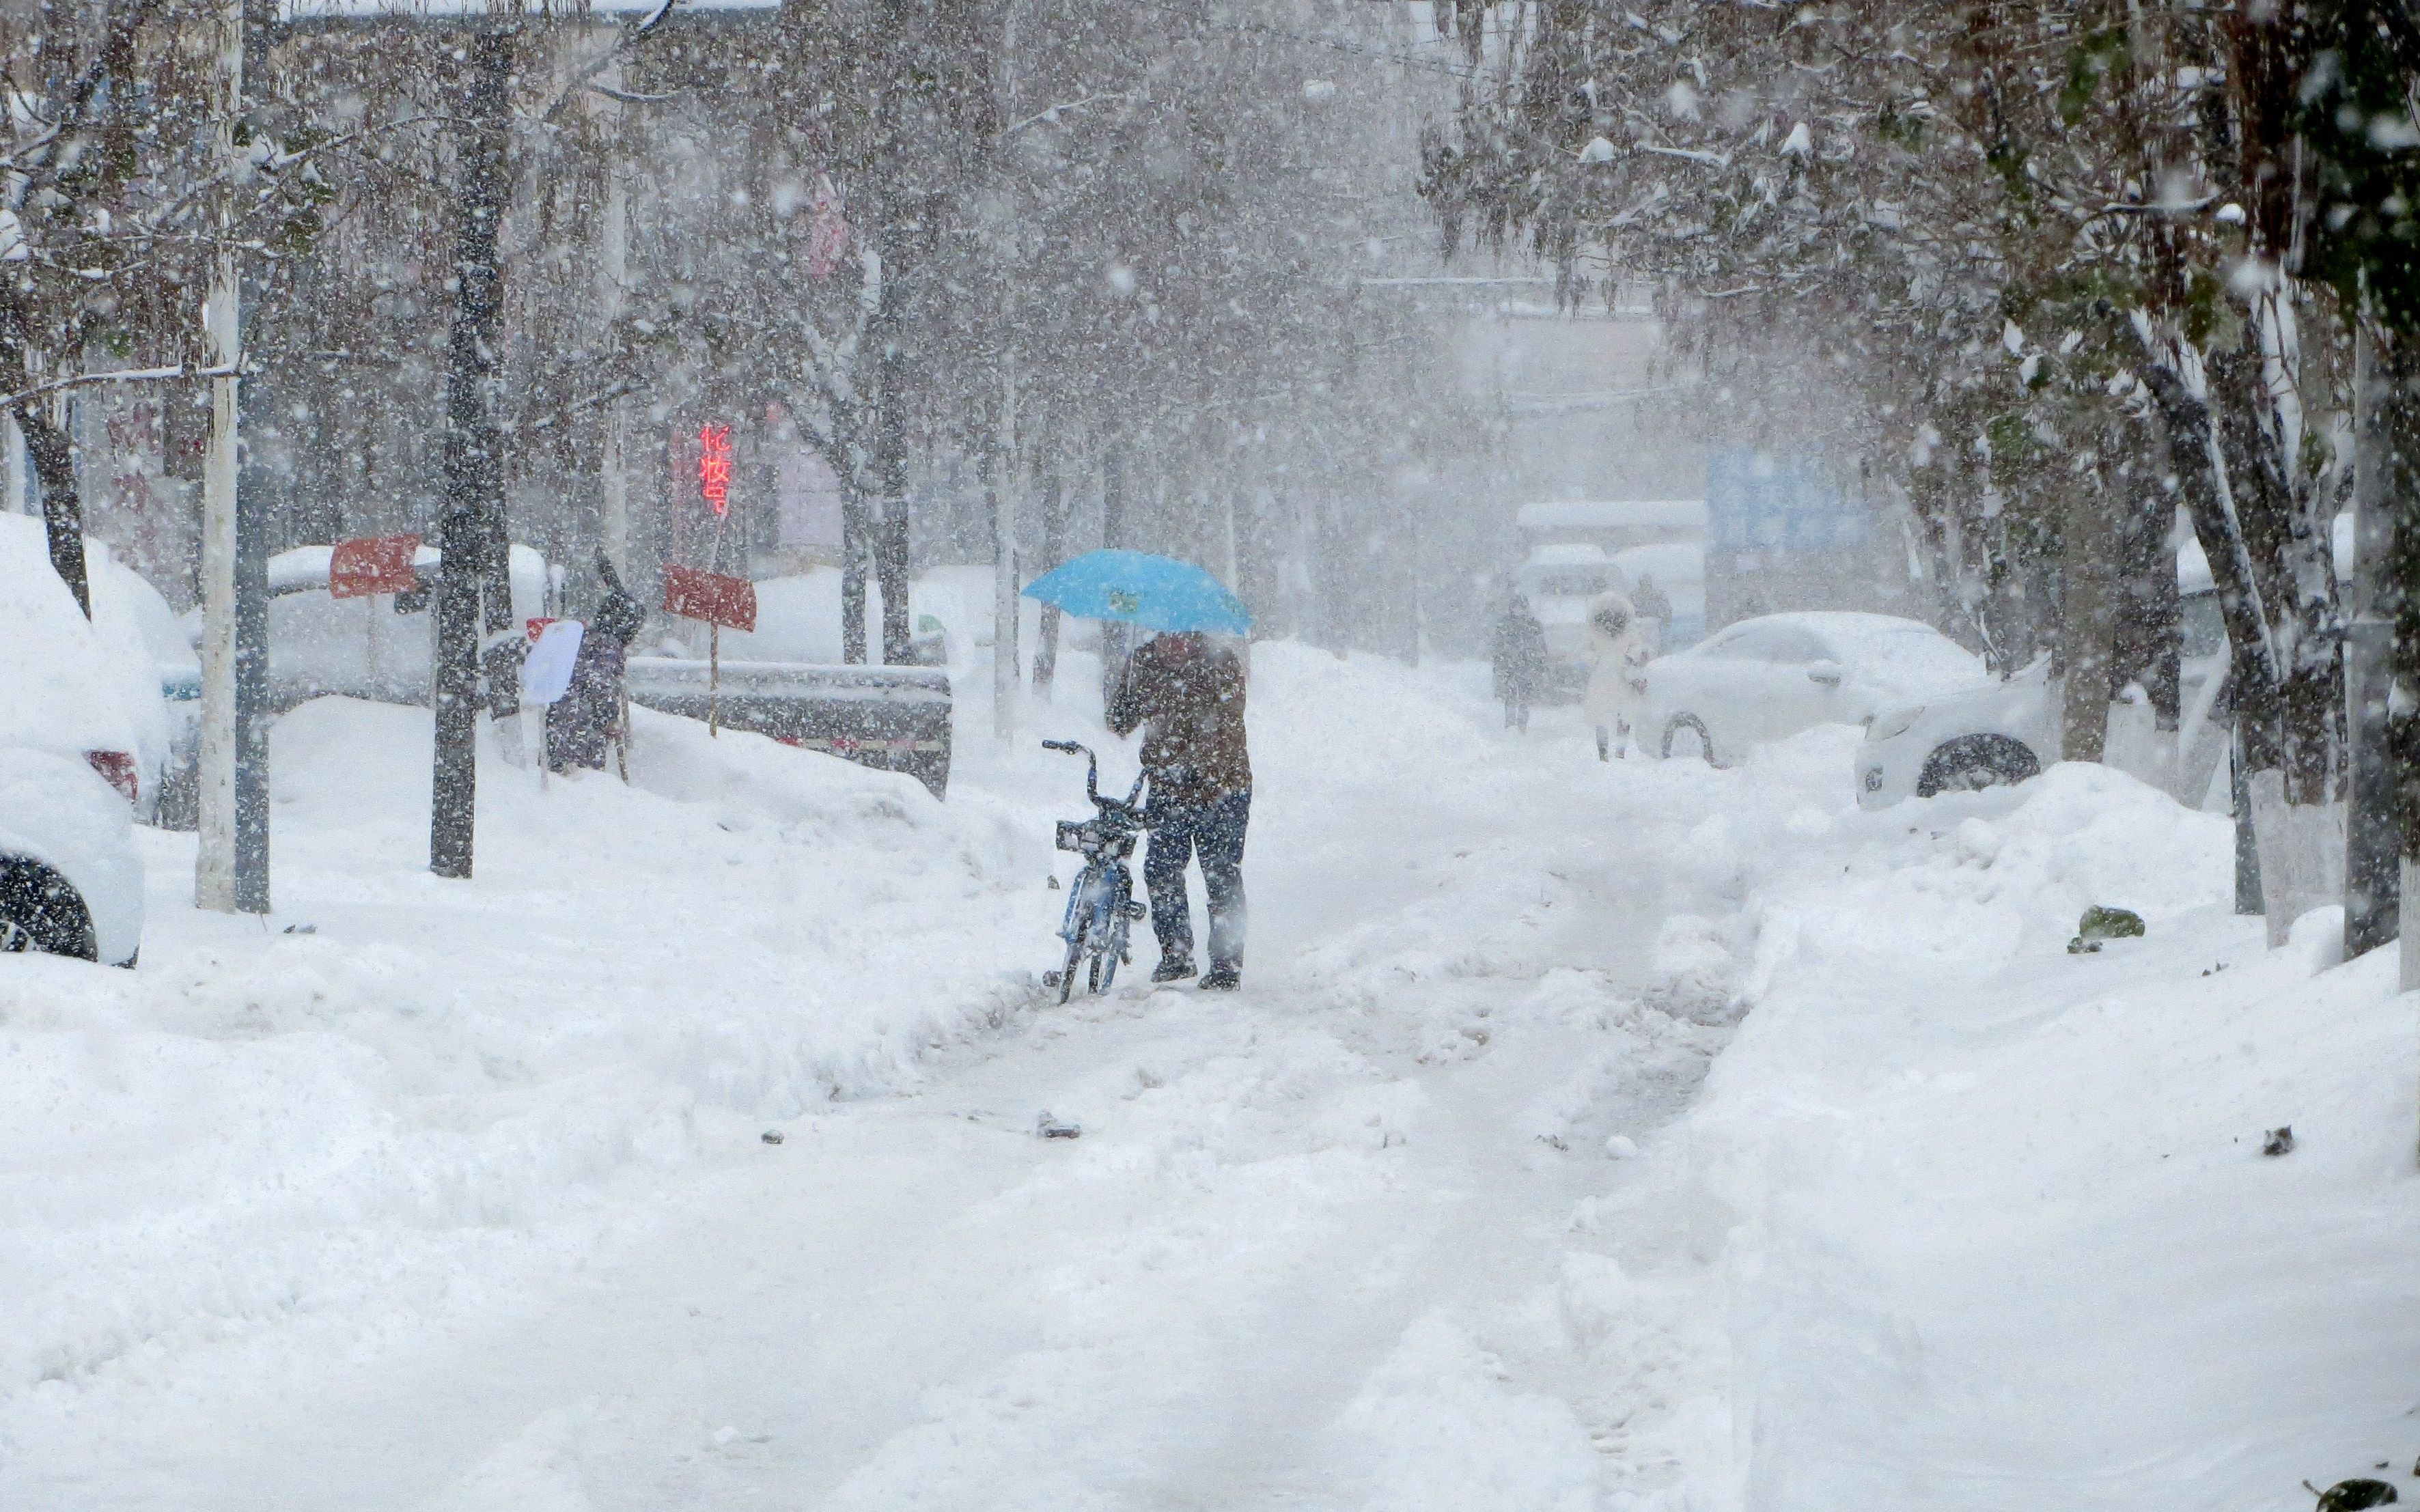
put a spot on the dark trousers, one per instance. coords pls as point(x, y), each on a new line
point(1217, 830)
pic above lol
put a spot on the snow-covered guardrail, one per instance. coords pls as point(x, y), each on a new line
point(893, 719)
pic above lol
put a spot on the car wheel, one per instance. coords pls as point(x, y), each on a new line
point(1685, 734)
point(40, 911)
point(1972, 763)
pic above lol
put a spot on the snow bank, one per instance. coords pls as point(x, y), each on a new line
point(2000, 1233)
point(404, 1089)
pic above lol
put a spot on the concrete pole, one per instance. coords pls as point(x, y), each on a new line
point(214, 866)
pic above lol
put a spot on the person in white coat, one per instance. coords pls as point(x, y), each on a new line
point(1618, 658)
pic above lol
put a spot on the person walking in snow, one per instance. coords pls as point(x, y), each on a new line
point(1187, 694)
point(1654, 613)
point(1616, 685)
point(1520, 657)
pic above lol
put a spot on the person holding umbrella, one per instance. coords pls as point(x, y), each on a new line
point(1186, 692)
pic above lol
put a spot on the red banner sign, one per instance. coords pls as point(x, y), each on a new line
point(373, 565)
point(714, 466)
point(711, 597)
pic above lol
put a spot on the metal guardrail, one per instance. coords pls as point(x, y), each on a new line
point(890, 718)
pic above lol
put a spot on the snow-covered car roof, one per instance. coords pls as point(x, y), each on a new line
point(69, 685)
point(1569, 554)
point(1895, 654)
point(1613, 514)
point(1671, 564)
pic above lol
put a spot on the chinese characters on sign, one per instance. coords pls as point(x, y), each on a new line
point(714, 466)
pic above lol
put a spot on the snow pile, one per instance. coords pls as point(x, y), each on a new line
point(2001, 1235)
point(405, 1087)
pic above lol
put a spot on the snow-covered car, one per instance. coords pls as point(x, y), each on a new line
point(2006, 732)
point(377, 646)
point(1775, 675)
point(70, 882)
point(84, 733)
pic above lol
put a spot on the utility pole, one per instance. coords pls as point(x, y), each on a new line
point(2373, 840)
point(229, 875)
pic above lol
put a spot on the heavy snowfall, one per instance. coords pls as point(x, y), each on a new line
point(1770, 657)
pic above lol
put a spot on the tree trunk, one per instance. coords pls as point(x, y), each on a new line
point(856, 549)
point(2087, 621)
point(889, 541)
point(1115, 637)
point(1054, 549)
point(62, 507)
point(2373, 840)
point(473, 516)
point(2395, 430)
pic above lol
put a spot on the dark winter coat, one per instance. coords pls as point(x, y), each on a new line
point(580, 723)
point(1520, 653)
point(1187, 696)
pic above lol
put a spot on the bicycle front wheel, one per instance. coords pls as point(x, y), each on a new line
point(1074, 957)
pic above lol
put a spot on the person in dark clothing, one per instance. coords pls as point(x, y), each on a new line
point(1187, 696)
point(1652, 603)
point(1520, 657)
point(580, 724)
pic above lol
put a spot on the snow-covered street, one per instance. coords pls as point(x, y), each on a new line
point(460, 1200)
point(1316, 1245)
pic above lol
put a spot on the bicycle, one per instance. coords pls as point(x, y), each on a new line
point(1101, 904)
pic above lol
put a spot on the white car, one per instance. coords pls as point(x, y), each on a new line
point(379, 646)
point(2007, 732)
point(84, 733)
point(1775, 675)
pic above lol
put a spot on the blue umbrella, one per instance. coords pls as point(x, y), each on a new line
point(1157, 593)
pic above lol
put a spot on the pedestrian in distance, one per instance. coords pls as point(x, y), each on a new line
point(1617, 685)
point(1187, 695)
point(1520, 659)
point(1654, 613)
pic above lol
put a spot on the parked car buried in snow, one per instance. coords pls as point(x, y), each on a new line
point(1775, 675)
point(2007, 731)
point(84, 733)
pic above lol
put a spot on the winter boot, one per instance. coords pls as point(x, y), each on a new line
point(1222, 979)
point(1172, 968)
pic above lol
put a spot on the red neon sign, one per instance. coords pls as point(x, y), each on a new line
point(714, 466)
